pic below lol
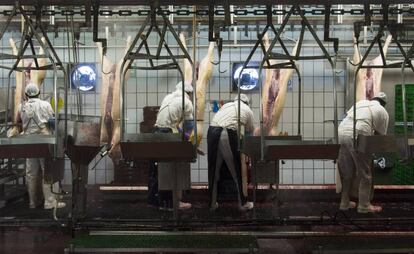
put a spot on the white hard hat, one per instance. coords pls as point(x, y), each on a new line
point(188, 88)
point(244, 98)
point(382, 96)
point(32, 90)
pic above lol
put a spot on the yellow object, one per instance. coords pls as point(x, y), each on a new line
point(192, 139)
point(61, 103)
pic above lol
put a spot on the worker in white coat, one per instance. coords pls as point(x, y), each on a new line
point(223, 147)
point(169, 120)
point(33, 115)
point(355, 166)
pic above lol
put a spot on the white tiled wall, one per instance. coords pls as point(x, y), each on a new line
point(147, 88)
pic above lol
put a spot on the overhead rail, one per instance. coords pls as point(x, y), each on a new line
point(208, 2)
point(218, 11)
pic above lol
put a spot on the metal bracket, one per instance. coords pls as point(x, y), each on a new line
point(95, 26)
point(327, 29)
point(134, 53)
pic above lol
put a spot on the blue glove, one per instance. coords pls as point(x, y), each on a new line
point(188, 125)
point(51, 123)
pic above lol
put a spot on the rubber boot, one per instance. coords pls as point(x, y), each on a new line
point(50, 199)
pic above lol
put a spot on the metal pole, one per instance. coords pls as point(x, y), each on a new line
point(354, 107)
point(404, 107)
point(194, 83)
point(335, 100)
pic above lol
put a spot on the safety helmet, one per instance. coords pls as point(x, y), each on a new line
point(188, 88)
point(381, 96)
point(32, 90)
point(244, 98)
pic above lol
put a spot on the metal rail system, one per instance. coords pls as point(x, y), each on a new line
point(31, 31)
point(394, 30)
point(289, 148)
point(154, 145)
point(205, 2)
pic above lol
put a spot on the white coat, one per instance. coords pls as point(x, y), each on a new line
point(226, 117)
point(171, 111)
point(34, 114)
point(371, 117)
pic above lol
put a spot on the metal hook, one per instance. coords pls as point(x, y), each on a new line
point(219, 42)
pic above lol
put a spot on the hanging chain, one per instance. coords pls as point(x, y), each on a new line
point(219, 12)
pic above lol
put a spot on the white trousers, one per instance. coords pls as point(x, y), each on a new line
point(35, 168)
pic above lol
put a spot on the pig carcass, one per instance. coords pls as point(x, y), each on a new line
point(22, 79)
point(188, 70)
point(110, 109)
point(204, 75)
point(369, 79)
point(274, 93)
point(38, 76)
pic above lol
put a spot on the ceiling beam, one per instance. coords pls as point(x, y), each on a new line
point(207, 2)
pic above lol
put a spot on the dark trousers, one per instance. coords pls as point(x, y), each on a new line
point(213, 138)
point(156, 197)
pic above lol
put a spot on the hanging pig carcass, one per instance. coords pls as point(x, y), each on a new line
point(368, 81)
point(110, 107)
point(274, 93)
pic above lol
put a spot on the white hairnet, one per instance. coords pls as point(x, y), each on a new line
point(244, 98)
point(32, 90)
point(382, 96)
point(188, 88)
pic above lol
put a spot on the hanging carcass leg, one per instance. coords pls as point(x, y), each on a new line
point(110, 109)
point(22, 79)
point(369, 79)
point(115, 152)
point(205, 71)
point(38, 76)
point(108, 80)
point(274, 93)
point(204, 75)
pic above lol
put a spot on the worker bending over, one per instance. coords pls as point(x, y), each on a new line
point(169, 120)
point(355, 166)
point(223, 147)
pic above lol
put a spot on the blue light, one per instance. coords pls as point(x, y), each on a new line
point(248, 79)
point(84, 76)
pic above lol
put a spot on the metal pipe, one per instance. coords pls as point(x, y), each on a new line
point(299, 103)
point(272, 234)
point(261, 108)
point(404, 107)
point(7, 100)
point(194, 83)
point(335, 100)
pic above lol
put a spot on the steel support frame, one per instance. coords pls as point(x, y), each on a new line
point(407, 57)
point(134, 54)
point(30, 31)
point(269, 55)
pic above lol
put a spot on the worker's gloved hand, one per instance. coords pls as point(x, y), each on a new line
point(51, 123)
point(187, 135)
point(188, 125)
